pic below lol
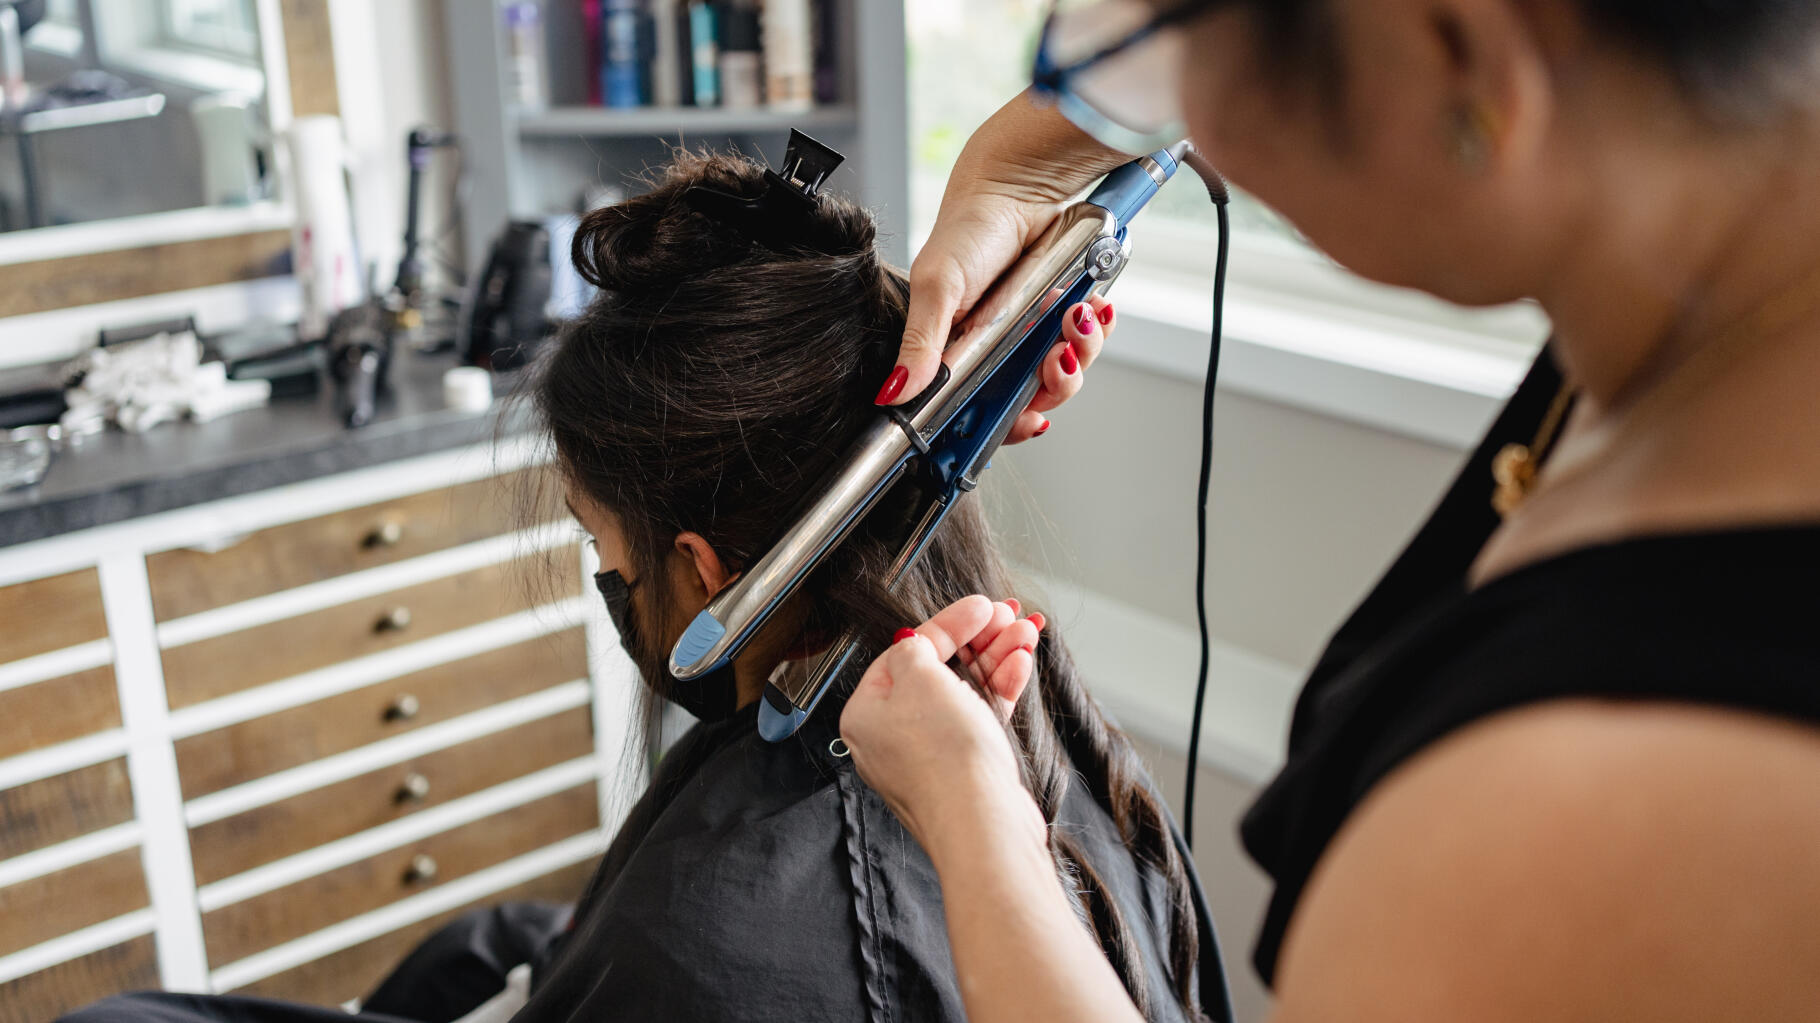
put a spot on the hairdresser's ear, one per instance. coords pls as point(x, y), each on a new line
point(701, 574)
point(1496, 57)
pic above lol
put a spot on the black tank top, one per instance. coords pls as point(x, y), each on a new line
point(1726, 618)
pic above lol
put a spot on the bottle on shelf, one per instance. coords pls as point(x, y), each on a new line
point(788, 55)
point(526, 84)
point(704, 54)
point(625, 47)
point(667, 56)
point(827, 52)
point(741, 81)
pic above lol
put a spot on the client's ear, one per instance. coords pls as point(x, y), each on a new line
point(700, 573)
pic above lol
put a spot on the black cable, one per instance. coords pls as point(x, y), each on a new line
point(1216, 190)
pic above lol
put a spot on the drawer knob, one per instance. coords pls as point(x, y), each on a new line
point(415, 787)
point(421, 870)
point(404, 708)
point(386, 534)
point(397, 619)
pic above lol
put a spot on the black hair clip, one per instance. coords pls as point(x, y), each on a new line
point(778, 218)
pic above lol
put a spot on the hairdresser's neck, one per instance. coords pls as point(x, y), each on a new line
point(1687, 247)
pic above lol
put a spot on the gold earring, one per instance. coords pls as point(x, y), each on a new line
point(1473, 133)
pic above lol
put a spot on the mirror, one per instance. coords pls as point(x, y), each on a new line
point(122, 108)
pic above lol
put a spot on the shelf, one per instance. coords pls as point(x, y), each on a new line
point(601, 122)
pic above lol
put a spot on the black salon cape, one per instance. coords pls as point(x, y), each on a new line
point(763, 882)
point(751, 882)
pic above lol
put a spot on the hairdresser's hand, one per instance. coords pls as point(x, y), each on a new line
point(1006, 188)
point(925, 740)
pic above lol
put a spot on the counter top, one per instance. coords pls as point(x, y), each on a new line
point(116, 476)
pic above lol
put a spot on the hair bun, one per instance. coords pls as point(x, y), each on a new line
point(656, 238)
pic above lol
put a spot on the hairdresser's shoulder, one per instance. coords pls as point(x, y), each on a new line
point(1577, 860)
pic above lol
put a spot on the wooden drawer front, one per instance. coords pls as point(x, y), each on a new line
point(49, 993)
point(355, 972)
point(215, 667)
point(67, 900)
point(50, 614)
point(63, 807)
point(47, 713)
point(252, 749)
point(234, 844)
point(297, 553)
point(236, 931)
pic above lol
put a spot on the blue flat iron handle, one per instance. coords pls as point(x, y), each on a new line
point(958, 455)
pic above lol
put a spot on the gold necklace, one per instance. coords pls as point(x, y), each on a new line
point(1515, 468)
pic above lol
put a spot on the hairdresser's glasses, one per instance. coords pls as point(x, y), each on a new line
point(1113, 67)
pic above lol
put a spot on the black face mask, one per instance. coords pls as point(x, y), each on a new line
point(710, 698)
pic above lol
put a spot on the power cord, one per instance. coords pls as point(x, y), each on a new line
point(1217, 191)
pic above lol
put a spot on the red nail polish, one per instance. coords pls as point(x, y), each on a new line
point(1028, 648)
point(903, 634)
point(1083, 320)
point(1041, 429)
point(894, 386)
point(1036, 618)
point(1071, 364)
point(1011, 602)
point(1106, 314)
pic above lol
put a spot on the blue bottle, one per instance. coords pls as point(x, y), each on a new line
point(625, 44)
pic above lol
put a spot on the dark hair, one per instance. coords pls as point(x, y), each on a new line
point(713, 382)
point(1735, 58)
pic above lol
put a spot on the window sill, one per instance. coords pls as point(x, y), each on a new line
point(201, 72)
point(1142, 668)
point(1436, 382)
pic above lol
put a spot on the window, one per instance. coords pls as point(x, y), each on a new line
point(995, 41)
point(222, 28)
point(967, 57)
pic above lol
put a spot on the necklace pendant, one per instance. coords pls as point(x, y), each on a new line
point(1513, 469)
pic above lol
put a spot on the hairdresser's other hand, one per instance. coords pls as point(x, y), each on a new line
point(1006, 187)
point(925, 740)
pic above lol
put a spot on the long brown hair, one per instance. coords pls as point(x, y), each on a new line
point(708, 388)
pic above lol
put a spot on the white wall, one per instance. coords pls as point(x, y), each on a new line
point(1306, 510)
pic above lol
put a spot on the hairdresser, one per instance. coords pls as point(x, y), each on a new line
point(1563, 762)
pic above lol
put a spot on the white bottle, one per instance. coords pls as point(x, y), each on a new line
point(789, 55)
point(742, 83)
point(668, 61)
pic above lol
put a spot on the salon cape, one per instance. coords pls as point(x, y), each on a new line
point(762, 882)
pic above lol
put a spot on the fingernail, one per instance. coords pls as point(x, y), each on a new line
point(1040, 430)
point(1071, 363)
point(903, 634)
point(1106, 314)
point(1036, 618)
point(1016, 608)
point(1083, 320)
point(894, 386)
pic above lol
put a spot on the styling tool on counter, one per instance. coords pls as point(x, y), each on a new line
point(940, 442)
point(409, 300)
point(360, 355)
point(506, 317)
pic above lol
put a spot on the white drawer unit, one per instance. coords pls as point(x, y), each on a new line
point(267, 744)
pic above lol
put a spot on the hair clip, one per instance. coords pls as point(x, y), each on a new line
point(778, 217)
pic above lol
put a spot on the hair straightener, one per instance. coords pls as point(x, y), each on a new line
point(948, 433)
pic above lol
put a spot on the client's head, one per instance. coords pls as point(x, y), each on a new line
point(697, 403)
point(702, 395)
